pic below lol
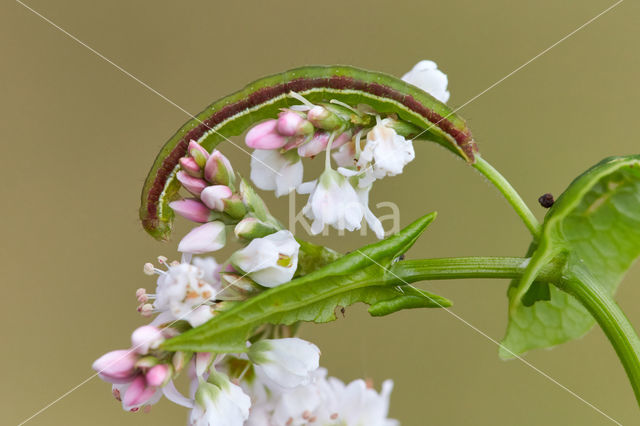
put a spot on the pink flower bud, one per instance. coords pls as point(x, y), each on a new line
point(218, 169)
point(138, 393)
point(191, 209)
point(189, 165)
point(192, 184)
point(116, 366)
point(265, 136)
point(203, 239)
point(341, 140)
point(315, 146)
point(158, 375)
point(290, 123)
point(145, 338)
point(198, 153)
point(214, 196)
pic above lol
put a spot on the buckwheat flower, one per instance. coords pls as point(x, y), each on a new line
point(387, 150)
point(427, 76)
point(136, 394)
point(204, 239)
point(333, 201)
point(185, 292)
point(372, 220)
point(117, 366)
point(269, 261)
point(214, 196)
point(274, 171)
point(265, 136)
point(287, 363)
point(146, 338)
point(218, 402)
point(360, 405)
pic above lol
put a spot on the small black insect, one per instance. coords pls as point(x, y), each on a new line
point(342, 311)
point(546, 200)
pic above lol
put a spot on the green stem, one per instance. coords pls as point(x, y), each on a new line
point(612, 321)
point(410, 271)
point(510, 194)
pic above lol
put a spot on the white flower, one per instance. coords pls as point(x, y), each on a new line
point(388, 151)
point(333, 201)
point(287, 363)
point(219, 403)
point(271, 260)
point(273, 171)
point(427, 76)
point(324, 401)
point(186, 291)
point(357, 404)
point(365, 180)
point(204, 238)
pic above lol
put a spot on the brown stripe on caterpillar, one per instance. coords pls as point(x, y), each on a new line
point(463, 139)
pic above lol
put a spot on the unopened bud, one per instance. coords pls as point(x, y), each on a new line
point(234, 207)
point(191, 209)
point(250, 228)
point(192, 184)
point(218, 170)
point(324, 119)
point(215, 195)
point(292, 123)
point(265, 136)
point(189, 165)
point(315, 146)
point(159, 375)
point(198, 153)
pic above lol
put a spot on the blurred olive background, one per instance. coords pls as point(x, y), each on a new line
point(79, 137)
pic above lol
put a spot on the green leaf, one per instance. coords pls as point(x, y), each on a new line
point(361, 276)
point(594, 226)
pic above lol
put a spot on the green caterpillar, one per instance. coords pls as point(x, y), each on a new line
point(262, 99)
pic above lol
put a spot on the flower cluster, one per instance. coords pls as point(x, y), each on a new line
point(365, 146)
point(275, 381)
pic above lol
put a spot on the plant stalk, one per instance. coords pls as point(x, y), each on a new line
point(410, 271)
point(510, 194)
point(612, 320)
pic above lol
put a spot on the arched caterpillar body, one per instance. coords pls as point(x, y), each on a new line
point(262, 99)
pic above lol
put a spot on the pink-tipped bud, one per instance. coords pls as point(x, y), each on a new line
point(218, 170)
point(116, 366)
point(189, 165)
point(324, 119)
point(138, 393)
point(146, 338)
point(203, 239)
point(341, 139)
point(291, 123)
point(192, 184)
point(214, 196)
point(158, 375)
point(191, 209)
point(198, 153)
point(315, 146)
point(265, 136)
